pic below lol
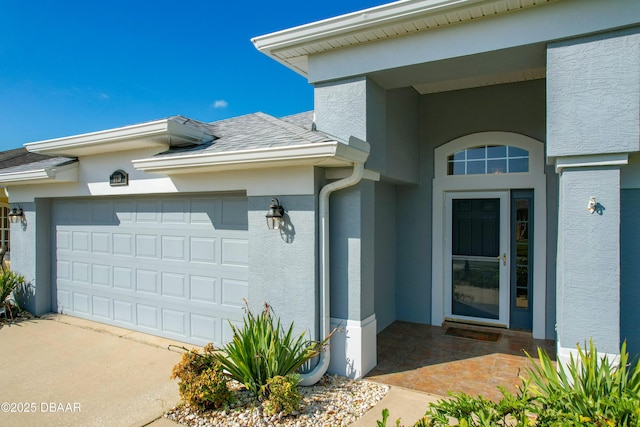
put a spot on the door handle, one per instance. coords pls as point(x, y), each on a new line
point(503, 257)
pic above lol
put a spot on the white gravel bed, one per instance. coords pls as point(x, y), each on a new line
point(334, 401)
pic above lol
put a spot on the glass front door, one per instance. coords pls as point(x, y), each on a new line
point(478, 256)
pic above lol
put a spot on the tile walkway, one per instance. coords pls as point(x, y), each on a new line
point(422, 357)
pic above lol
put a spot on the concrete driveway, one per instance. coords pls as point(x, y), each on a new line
point(62, 371)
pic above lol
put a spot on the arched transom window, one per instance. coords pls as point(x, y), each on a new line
point(488, 159)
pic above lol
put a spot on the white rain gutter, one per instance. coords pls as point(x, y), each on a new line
point(314, 376)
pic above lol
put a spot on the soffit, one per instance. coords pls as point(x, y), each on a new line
point(292, 47)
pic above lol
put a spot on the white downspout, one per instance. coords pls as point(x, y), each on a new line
point(314, 376)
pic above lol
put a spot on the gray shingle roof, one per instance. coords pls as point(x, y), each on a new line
point(21, 160)
point(252, 131)
point(255, 131)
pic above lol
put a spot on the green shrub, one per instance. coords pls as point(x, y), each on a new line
point(589, 391)
point(262, 349)
point(511, 410)
point(202, 381)
point(283, 395)
point(9, 283)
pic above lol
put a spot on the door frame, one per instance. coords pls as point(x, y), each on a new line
point(443, 184)
point(505, 247)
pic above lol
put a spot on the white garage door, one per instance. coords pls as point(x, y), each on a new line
point(174, 267)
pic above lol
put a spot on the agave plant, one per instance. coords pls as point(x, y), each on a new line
point(9, 282)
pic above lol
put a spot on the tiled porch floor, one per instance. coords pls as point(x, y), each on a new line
point(422, 357)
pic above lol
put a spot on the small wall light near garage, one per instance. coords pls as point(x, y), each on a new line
point(16, 215)
point(275, 215)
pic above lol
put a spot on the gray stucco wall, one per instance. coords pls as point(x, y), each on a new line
point(630, 269)
point(385, 255)
point(347, 108)
point(589, 259)
point(31, 260)
point(341, 108)
point(403, 135)
point(352, 217)
point(594, 94)
point(283, 264)
point(515, 107)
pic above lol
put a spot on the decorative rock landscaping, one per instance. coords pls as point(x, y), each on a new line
point(334, 401)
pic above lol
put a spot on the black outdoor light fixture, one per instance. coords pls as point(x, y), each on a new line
point(275, 216)
point(16, 215)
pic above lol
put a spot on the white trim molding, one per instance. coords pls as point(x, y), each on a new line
point(160, 133)
point(596, 160)
point(331, 153)
point(66, 173)
point(564, 356)
point(444, 184)
point(353, 347)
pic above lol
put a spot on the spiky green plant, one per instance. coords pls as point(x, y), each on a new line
point(590, 391)
point(9, 283)
point(261, 349)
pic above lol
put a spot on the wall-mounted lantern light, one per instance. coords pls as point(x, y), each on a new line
point(275, 216)
point(16, 215)
point(592, 205)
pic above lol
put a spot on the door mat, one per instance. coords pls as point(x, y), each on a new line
point(474, 335)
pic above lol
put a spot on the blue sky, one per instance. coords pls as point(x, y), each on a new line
point(70, 67)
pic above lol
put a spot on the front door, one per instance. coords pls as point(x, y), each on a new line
point(478, 257)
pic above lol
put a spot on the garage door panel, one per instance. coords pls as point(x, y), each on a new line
point(174, 248)
point(174, 285)
point(234, 214)
point(81, 303)
point(101, 307)
point(147, 246)
point(234, 252)
point(205, 328)
point(123, 277)
point(203, 250)
point(174, 321)
point(234, 291)
point(101, 275)
point(179, 271)
point(175, 211)
point(147, 316)
point(80, 241)
point(203, 289)
point(123, 244)
point(100, 243)
point(123, 312)
point(80, 272)
point(147, 281)
point(148, 211)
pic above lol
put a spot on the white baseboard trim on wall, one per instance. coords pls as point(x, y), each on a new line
point(353, 347)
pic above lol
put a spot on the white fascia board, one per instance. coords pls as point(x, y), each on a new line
point(332, 28)
point(67, 173)
point(326, 152)
point(164, 132)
